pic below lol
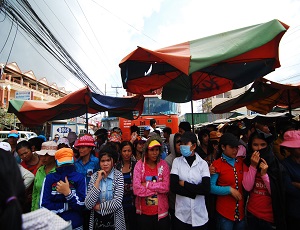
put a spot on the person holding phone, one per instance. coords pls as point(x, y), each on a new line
point(262, 179)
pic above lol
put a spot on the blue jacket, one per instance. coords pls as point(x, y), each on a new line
point(68, 207)
point(89, 168)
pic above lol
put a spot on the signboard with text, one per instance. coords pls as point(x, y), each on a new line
point(23, 95)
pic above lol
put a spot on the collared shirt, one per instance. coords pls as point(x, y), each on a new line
point(106, 187)
point(187, 210)
point(89, 168)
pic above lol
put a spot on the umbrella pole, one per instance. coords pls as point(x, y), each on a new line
point(192, 109)
point(86, 120)
point(289, 103)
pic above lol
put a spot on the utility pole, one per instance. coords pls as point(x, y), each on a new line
point(116, 87)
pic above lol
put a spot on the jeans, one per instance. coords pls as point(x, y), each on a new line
point(226, 224)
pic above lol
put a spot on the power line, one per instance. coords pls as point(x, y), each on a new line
point(30, 22)
point(96, 40)
point(86, 35)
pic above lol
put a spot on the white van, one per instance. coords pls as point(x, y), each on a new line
point(24, 135)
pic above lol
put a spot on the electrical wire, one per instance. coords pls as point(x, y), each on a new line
point(12, 45)
point(7, 37)
point(108, 69)
point(29, 21)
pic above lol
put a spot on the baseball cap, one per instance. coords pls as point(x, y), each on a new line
point(14, 133)
point(64, 156)
point(48, 147)
point(153, 144)
point(147, 128)
point(291, 139)
point(229, 139)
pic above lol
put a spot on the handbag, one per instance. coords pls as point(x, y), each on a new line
point(104, 221)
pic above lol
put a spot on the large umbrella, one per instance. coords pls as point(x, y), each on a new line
point(262, 97)
point(207, 66)
point(80, 102)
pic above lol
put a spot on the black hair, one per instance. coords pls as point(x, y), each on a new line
point(167, 130)
point(202, 133)
point(235, 130)
point(177, 136)
point(122, 145)
point(185, 125)
point(152, 122)
point(189, 137)
point(102, 134)
point(23, 144)
point(134, 128)
point(110, 150)
point(36, 142)
point(11, 192)
point(157, 132)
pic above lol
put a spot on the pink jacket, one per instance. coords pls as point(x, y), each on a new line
point(161, 187)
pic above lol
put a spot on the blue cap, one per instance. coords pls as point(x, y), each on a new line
point(147, 128)
point(13, 133)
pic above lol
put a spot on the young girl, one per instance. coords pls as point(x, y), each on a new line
point(226, 183)
point(105, 194)
point(190, 181)
point(263, 181)
point(151, 180)
point(126, 166)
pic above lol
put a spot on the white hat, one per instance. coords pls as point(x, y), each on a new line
point(5, 146)
point(48, 147)
point(63, 140)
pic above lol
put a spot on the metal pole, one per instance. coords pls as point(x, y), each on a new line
point(289, 103)
point(192, 116)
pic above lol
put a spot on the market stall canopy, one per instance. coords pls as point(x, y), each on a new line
point(262, 97)
point(83, 101)
point(207, 66)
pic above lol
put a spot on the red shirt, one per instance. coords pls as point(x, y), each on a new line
point(260, 201)
point(226, 204)
point(31, 168)
point(149, 204)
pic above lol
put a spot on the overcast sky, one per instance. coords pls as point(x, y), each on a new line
point(98, 34)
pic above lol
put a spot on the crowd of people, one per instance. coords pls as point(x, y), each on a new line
point(231, 177)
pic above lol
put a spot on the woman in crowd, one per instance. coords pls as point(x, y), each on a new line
point(175, 141)
point(126, 166)
point(190, 181)
point(138, 149)
point(11, 192)
point(226, 184)
point(30, 160)
point(46, 155)
point(291, 140)
point(86, 164)
point(263, 181)
point(151, 180)
point(205, 148)
point(105, 194)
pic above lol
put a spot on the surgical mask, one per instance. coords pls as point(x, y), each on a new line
point(185, 150)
